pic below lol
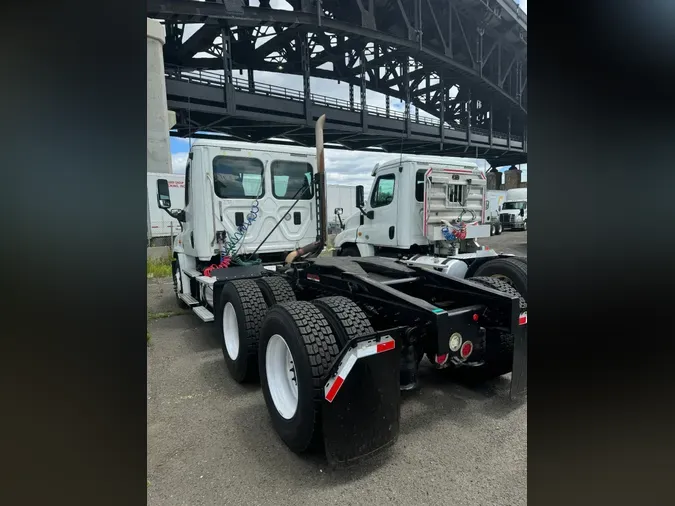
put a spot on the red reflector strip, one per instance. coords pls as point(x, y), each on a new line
point(386, 346)
point(334, 389)
point(362, 350)
point(313, 277)
point(458, 171)
point(523, 319)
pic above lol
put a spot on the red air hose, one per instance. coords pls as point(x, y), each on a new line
point(222, 265)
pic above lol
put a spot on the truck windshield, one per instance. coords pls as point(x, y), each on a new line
point(515, 205)
point(237, 177)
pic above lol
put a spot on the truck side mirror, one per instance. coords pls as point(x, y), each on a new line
point(522, 212)
point(338, 211)
point(163, 196)
point(360, 201)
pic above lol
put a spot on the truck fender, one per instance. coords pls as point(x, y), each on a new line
point(346, 236)
point(366, 250)
point(185, 262)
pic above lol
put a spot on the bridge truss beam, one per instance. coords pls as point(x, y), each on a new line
point(462, 60)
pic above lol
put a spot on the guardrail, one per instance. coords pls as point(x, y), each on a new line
point(212, 78)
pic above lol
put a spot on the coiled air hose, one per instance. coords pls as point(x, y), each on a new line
point(233, 240)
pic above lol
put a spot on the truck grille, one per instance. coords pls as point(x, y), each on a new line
point(507, 218)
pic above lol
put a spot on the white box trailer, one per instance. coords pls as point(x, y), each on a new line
point(340, 196)
point(160, 224)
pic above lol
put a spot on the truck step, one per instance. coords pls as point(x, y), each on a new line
point(188, 299)
point(193, 273)
point(203, 313)
point(207, 280)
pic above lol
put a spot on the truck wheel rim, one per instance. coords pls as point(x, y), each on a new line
point(281, 377)
point(231, 331)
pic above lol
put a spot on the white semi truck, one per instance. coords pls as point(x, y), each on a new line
point(340, 200)
point(493, 206)
point(334, 340)
point(514, 211)
point(430, 207)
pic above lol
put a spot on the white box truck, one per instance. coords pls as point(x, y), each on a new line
point(160, 224)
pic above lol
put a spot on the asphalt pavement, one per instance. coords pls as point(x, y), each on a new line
point(210, 440)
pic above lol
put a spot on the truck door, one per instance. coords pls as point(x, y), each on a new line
point(186, 237)
point(381, 230)
point(292, 180)
point(239, 183)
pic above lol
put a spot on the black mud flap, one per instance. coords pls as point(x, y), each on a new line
point(519, 373)
point(360, 412)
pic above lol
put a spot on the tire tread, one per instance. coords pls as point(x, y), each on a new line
point(280, 290)
point(347, 319)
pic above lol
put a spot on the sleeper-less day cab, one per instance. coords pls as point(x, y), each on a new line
point(334, 340)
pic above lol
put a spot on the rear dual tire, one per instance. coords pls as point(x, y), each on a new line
point(295, 334)
point(241, 311)
point(312, 335)
point(242, 308)
point(512, 270)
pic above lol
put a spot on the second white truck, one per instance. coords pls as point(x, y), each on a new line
point(428, 208)
point(514, 211)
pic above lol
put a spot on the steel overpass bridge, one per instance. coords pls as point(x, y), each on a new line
point(461, 62)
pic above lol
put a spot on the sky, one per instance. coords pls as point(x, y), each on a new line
point(342, 166)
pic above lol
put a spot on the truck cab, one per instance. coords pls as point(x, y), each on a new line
point(410, 203)
point(514, 211)
point(235, 193)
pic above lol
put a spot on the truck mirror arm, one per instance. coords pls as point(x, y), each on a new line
point(370, 214)
point(178, 214)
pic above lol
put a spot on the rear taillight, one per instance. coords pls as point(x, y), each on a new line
point(466, 349)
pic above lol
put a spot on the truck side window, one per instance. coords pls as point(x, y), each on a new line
point(187, 182)
point(419, 185)
point(383, 193)
point(288, 177)
point(236, 177)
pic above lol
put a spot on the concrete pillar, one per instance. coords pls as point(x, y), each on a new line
point(160, 120)
point(512, 178)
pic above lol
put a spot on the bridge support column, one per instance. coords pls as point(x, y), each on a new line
point(508, 138)
point(406, 88)
point(228, 87)
point(304, 60)
point(364, 105)
point(251, 81)
point(158, 118)
point(519, 78)
point(491, 125)
point(468, 119)
point(417, 109)
point(443, 94)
